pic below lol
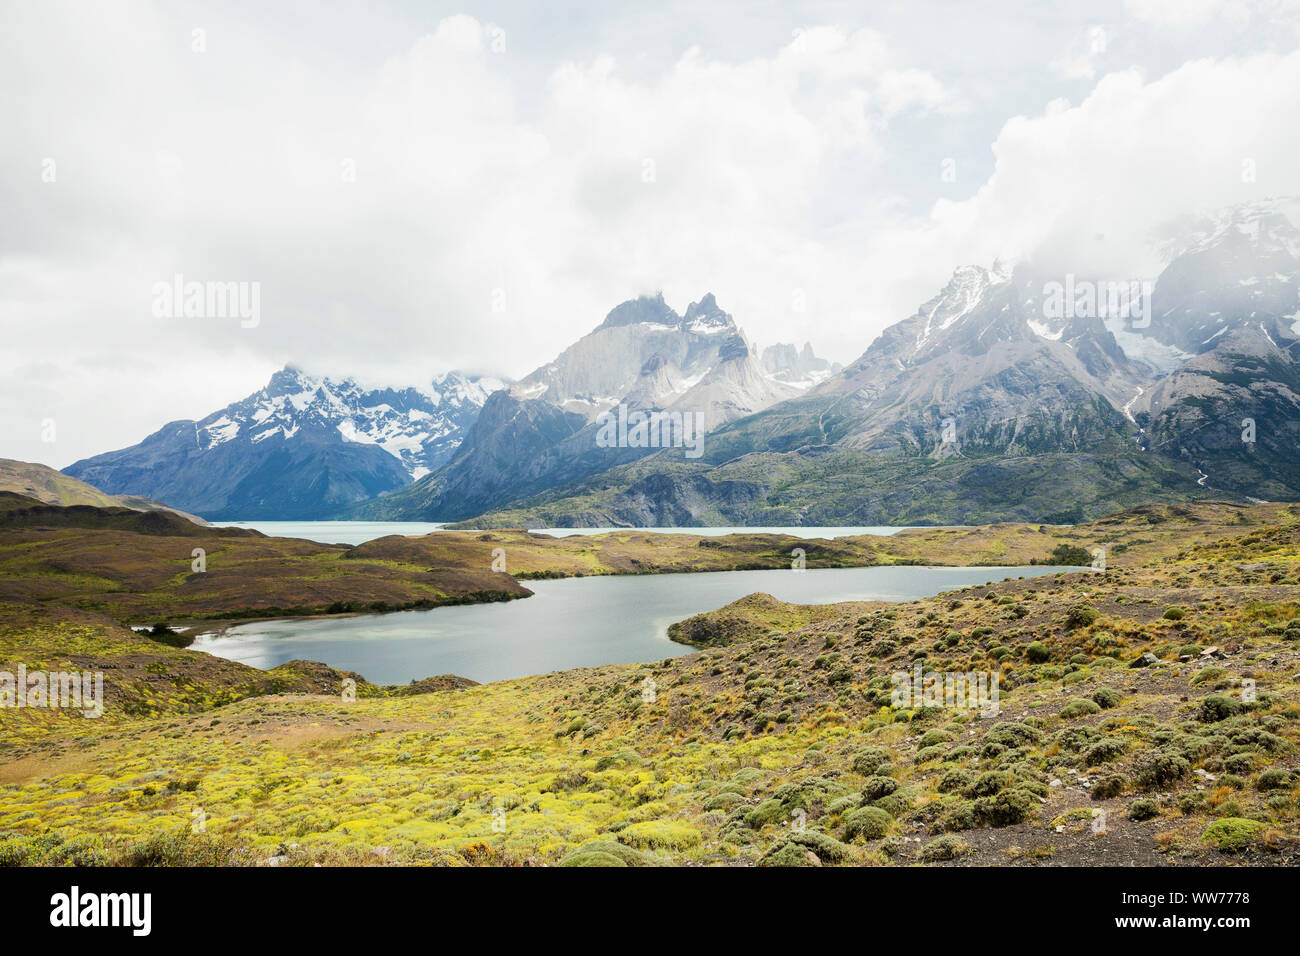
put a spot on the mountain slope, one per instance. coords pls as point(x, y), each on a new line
point(51, 487)
point(1231, 304)
point(302, 447)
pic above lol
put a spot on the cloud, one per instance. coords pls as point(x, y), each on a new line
point(443, 207)
point(400, 221)
point(1102, 177)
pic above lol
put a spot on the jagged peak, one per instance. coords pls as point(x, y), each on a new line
point(705, 317)
point(644, 308)
point(1269, 222)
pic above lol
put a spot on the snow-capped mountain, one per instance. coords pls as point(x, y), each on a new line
point(985, 356)
point(644, 357)
point(420, 427)
point(647, 356)
point(301, 447)
point(1016, 394)
point(1239, 269)
point(1230, 306)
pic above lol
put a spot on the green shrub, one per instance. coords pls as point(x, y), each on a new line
point(1107, 697)
point(1078, 707)
point(769, 811)
point(606, 853)
point(786, 854)
point(1232, 834)
point(944, 848)
point(52, 849)
point(960, 817)
point(1143, 809)
point(876, 787)
point(1215, 708)
point(868, 761)
point(1007, 808)
point(988, 783)
point(659, 835)
point(1174, 613)
point(955, 780)
point(1081, 615)
point(870, 823)
point(1104, 751)
point(932, 738)
point(1158, 768)
point(1038, 653)
point(1275, 779)
point(1011, 733)
point(1239, 763)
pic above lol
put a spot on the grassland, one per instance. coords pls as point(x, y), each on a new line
point(778, 744)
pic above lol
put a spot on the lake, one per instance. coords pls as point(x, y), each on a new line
point(571, 622)
point(359, 532)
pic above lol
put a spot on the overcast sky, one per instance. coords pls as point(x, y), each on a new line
point(423, 186)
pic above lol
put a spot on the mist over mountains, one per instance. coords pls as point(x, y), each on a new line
point(1011, 393)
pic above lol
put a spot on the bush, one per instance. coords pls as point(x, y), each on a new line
point(1215, 708)
point(932, 738)
point(827, 848)
point(870, 823)
point(1143, 809)
point(955, 780)
point(1158, 768)
point(1232, 834)
point(868, 761)
point(605, 853)
point(876, 787)
point(1038, 653)
point(51, 849)
point(659, 834)
point(1239, 763)
point(1108, 787)
point(1078, 707)
point(1105, 751)
point(1008, 807)
point(1011, 733)
point(1081, 615)
point(1174, 613)
point(1070, 554)
point(960, 817)
point(1107, 697)
point(944, 848)
point(786, 854)
point(1275, 779)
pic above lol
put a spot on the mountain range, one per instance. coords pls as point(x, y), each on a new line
point(992, 402)
point(302, 447)
point(544, 431)
point(1013, 392)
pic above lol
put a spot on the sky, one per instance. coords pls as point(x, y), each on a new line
point(411, 187)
